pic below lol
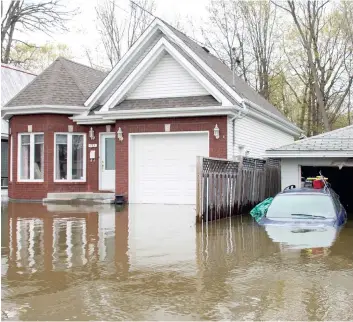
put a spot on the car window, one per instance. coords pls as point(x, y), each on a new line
point(301, 205)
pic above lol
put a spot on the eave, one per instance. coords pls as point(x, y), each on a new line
point(9, 111)
point(308, 154)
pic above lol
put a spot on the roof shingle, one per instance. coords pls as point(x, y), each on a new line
point(337, 140)
point(64, 82)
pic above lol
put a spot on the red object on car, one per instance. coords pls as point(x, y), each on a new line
point(318, 184)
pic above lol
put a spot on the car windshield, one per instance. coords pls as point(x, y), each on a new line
point(301, 206)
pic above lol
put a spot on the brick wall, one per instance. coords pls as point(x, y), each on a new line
point(50, 123)
point(218, 148)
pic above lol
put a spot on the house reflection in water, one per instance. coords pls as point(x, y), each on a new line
point(59, 237)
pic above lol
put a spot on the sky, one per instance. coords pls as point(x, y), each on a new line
point(83, 34)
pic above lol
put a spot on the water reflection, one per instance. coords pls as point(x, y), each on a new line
point(151, 262)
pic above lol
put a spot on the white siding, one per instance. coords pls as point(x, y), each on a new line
point(167, 79)
point(230, 138)
point(291, 168)
point(257, 137)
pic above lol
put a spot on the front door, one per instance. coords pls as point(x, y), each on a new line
point(107, 161)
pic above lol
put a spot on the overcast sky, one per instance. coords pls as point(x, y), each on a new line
point(83, 27)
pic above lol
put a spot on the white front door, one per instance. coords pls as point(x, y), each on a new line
point(107, 161)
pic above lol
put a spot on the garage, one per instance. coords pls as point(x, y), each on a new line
point(162, 166)
point(331, 153)
point(341, 181)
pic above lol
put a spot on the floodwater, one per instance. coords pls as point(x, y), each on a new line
point(152, 262)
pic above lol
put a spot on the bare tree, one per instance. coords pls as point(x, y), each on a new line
point(45, 16)
point(260, 17)
point(225, 36)
point(119, 34)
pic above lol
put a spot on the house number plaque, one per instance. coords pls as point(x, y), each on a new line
point(92, 145)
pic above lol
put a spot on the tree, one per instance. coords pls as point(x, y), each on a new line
point(260, 17)
point(45, 16)
point(118, 35)
point(36, 59)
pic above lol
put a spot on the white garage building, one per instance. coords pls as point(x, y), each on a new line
point(331, 153)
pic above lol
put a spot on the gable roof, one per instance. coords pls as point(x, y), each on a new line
point(64, 82)
point(240, 86)
point(217, 73)
point(340, 140)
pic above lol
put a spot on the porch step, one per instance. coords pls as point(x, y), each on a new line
point(92, 197)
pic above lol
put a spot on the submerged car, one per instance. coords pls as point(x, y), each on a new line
point(305, 207)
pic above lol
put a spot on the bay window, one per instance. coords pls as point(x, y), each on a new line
point(31, 157)
point(70, 157)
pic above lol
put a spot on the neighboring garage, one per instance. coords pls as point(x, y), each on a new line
point(162, 166)
point(331, 153)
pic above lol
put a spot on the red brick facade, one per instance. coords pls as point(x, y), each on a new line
point(49, 124)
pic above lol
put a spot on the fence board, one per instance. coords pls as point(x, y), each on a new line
point(226, 188)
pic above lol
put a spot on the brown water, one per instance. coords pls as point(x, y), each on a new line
point(152, 262)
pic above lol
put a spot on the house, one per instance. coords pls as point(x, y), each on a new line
point(13, 80)
point(331, 153)
point(137, 130)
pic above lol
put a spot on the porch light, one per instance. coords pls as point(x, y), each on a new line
point(120, 134)
point(91, 134)
point(216, 132)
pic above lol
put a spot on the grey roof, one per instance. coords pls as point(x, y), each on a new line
point(64, 82)
point(13, 79)
point(223, 71)
point(168, 102)
point(337, 140)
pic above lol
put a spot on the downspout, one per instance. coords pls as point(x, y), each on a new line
point(237, 117)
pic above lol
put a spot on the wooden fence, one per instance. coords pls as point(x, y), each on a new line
point(226, 188)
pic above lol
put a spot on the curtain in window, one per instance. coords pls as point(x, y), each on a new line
point(25, 157)
point(61, 157)
point(38, 156)
point(77, 157)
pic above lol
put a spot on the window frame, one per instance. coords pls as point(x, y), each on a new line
point(31, 157)
point(69, 157)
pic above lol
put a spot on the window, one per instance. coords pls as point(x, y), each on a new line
point(70, 157)
point(31, 157)
point(304, 205)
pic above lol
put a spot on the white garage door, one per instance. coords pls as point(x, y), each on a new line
point(163, 167)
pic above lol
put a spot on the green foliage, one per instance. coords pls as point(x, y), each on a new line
point(36, 59)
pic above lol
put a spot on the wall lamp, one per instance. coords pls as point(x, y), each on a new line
point(216, 132)
point(91, 134)
point(119, 134)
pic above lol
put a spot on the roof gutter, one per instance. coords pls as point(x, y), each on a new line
point(285, 124)
point(308, 154)
point(158, 113)
point(9, 111)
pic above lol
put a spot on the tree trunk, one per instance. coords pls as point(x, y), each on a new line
point(6, 58)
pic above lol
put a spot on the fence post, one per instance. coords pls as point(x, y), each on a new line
point(199, 199)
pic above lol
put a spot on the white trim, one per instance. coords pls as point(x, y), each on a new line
point(146, 36)
point(309, 154)
point(7, 112)
point(113, 115)
point(260, 110)
point(11, 156)
point(269, 120)
point(31, 156)
point(112, 134)
point(130, 158)
point(124, 61)
point(69, 157)
point(148, 62)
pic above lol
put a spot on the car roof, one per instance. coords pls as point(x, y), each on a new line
point(313, 191)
